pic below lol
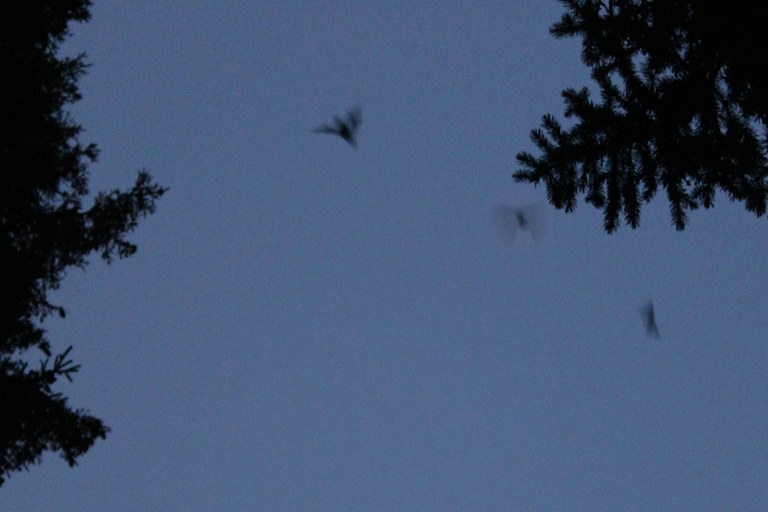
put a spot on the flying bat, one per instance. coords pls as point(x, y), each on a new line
point(345, 128)
point(510, 220)
point(649, 320)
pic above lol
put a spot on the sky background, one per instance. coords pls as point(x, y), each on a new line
point(310, 327)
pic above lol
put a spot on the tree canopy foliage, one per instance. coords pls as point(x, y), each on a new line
point(683, 106)
point(45, 227)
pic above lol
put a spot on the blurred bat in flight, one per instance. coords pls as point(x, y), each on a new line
point(510, 220)
point(649, 320)
point(345, 128)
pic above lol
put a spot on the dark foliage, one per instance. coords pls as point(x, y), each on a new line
point(45, 228)
point(683, 106)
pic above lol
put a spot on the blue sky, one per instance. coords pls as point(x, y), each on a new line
point(307, 326)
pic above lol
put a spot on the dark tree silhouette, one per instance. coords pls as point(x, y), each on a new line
point(45, 227)
point(683, 106)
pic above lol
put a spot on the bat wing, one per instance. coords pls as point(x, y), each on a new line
point(355, 117)
point(325, 129)
point(535, 216)
point(506, 222)
point(649, 320)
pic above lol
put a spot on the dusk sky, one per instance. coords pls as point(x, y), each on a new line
point(309, 326)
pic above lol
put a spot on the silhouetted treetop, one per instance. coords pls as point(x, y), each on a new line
point(683, 106)
point(45, 227)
